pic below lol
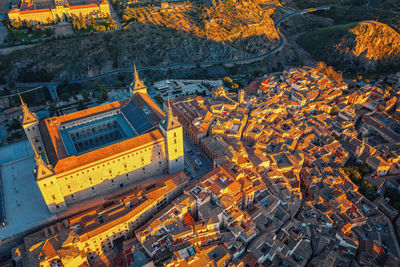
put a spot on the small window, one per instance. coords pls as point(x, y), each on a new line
point(146, 111)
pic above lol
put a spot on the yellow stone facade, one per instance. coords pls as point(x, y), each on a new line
point(66, 11)
point(92, 233)
point(66, 175)
point(173, 132)
point(103, 176)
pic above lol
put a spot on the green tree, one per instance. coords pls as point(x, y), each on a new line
point(334, 111)
point(158, 98)
point(81, 105)
point(85, 95)
point(65, 96)
point(82, 22)
point(52, 109)
point(235, 87)
point(14, 125)
point(368, 190)
point(11, 84)
point(98, 86)
point(227, 82)
point(103, 96)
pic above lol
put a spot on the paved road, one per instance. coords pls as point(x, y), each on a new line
point(3, 33)
point(115, 16)
point(246, 60)
point(197, 153)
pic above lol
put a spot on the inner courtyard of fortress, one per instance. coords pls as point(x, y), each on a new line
point(103, 149)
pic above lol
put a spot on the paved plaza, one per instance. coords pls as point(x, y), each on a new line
point(24, 205)
point(15, 151)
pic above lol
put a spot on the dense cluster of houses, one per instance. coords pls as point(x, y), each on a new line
point(291, 139)
point(279, 193)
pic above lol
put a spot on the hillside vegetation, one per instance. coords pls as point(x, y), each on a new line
point(246, 25)
point(148, 45)
point(343, 14)
point(365, 46)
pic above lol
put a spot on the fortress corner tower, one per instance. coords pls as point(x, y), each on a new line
point(173, 133)
point(100, 150)
point(30, 126)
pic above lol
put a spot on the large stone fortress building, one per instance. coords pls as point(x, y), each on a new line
point(104, 148)
point(47, 11)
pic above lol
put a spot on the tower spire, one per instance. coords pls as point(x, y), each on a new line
point(169, 113)
point(42, 169)
point(20, 98)
point(136, 86)
point(136, 74)
point(171, 120)
point(28, 116)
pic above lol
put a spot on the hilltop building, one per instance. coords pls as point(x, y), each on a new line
point(48, 11)
point(104, 148)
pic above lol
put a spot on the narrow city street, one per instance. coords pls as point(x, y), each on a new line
point(193, 152)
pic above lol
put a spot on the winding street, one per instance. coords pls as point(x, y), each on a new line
point(231, 62)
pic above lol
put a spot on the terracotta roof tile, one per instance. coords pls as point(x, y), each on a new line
point(73, 162)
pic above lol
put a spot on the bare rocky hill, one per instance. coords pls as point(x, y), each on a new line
point(366, 46)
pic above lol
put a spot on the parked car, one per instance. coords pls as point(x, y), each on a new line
point(198, 162)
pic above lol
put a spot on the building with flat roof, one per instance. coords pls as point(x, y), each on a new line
point(104, 148)
point(172, 89)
